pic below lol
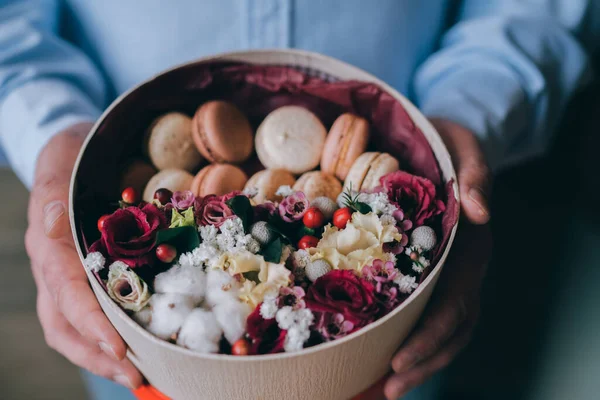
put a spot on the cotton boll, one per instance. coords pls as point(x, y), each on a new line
point(187, 280)
point(232, 316)
point(220, 287)
point(144, 316)
point(169, 310)
point(200, 332)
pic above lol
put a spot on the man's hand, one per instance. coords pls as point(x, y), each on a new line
point(72, 320)
point(448, 322)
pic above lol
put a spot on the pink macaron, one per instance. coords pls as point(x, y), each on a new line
point(346, 141)
point(218, 179)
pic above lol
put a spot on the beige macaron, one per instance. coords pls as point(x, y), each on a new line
point(368, 169)
point(346, 141)
point(136, 175)
point(170, 143)
point(172, 179)
point(316, 184)
point(218, 179)
point(290, 138)
point(266, 183)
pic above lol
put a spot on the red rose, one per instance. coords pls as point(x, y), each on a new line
point(414, 195)
point(212, 210)
point(267, 337)
point(129, 235)
point(341, 291)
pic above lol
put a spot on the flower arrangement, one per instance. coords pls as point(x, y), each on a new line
point(225, 274)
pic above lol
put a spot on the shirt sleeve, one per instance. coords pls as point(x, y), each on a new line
point(46, 84)
point(506, 69)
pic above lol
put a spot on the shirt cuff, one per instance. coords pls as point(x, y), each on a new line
point(33, 113)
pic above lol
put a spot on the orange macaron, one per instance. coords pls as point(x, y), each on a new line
point(346, 141)
point(368, 169)
point(218, 179)
point(222, 133)
point(318, 184)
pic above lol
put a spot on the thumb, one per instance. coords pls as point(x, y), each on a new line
point(51, 186)
point(474, 178)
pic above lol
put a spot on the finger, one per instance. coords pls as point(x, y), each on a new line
point(60, 271)
point(400, 384)
point(473, 173)
point(61, 336)
point(431, 335)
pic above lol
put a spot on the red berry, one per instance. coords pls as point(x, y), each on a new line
point(129, 195)
point(341, 217)
point(166, 253)
point(163, 195)
point(313, 218)
point(101, 221)
point(240, 348)
point(307, 242)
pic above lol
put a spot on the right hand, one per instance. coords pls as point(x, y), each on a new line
point(72, 320)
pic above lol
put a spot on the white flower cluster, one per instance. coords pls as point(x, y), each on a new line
point(94, 262)
point(421, 262)
point(229, 238)
point(378, 202)
point(297, 323)
point(406, 283)
point(284, 191)
point(251, 191)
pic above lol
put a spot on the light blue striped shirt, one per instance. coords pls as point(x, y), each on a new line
point(503, 68)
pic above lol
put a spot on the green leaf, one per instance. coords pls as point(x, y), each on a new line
point(362, 208)
point(281, 228)
point(272, 252)
point(303, 231)
point(184, 238)
point(182, 219)
point(240, 205)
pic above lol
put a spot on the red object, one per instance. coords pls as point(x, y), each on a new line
point(101, 221)
point(148, 392)
point(341, 217)
point(240, 348)
point(313, 218)
point(163, 195)
point(166, 253)
point(307, 242)
point(130, 196)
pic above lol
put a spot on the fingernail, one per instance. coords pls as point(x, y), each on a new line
point(52, 212)
point(123, 380)
point(405, 362)
point(108, 350)
point(477, 196)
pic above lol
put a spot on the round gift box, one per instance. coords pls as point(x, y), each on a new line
point(335, 370)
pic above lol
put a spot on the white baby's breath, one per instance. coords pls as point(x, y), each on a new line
point(268, 308)
point(94, 262)
point(378, 202)
point(406, 283)
point(251, 191)
point(284, 191)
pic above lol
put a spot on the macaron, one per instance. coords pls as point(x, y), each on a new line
point(368, 168)
point(266, 183)
point(172, 179)
point(318, 184)
point(291, 138)
point(170, 143)
point(136, 175)
point(222, 133)
point(346, 141)
point(218, 179)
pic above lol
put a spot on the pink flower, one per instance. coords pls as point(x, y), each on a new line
point(332, 326)
point(293, 297)
point(212, 210)
point(380, 273)
point(293, 207)
point(415, 195)
point(183, 200)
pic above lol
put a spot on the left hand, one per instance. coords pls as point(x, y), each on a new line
point(449, 319)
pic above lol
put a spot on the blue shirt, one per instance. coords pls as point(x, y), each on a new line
point(502, 68)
